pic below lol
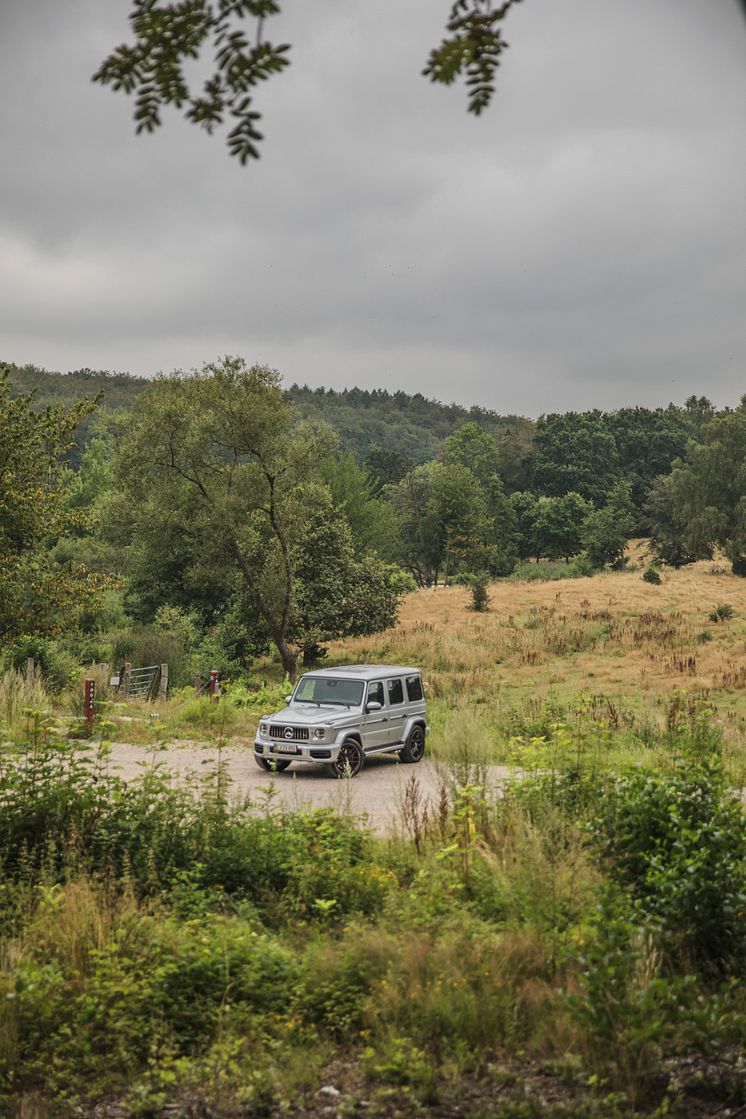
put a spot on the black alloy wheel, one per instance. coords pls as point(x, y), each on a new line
point(414, 748)
point(349, 759)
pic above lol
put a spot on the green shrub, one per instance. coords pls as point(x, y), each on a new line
point(549, 570)
point(677, 844)
point(57, 666)
point(479, 597)
point(64, 812)
point(264, 697)
point(722, 612)
point(401, 581)
point(652, 575)
point(627, 1011)
point(143, 646)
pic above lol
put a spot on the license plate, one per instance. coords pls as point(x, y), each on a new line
point(285, 748)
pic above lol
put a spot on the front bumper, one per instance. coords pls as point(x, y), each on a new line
point(278, 750)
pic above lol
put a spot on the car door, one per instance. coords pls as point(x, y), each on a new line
point(397, 709)
point(376, 723)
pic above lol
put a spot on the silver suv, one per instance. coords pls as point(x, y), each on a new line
point(340, 716)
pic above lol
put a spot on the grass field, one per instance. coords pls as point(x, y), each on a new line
point(612, 633)
point(609, 647)
point(613, 658)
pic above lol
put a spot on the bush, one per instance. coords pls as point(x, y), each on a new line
point(549, 570)
point(64, 812)
point(723, 612)
point(479, 597)
point(401, 581)
point(143, 646)
point(678, 845)
point(652, 575)
point(57, 666)
point(584, 566)
point(627, 1011)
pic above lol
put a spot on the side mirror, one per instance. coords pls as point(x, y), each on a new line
point(288, 698)
point(374, 705)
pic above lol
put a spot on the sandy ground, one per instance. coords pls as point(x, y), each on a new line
point(376, 794)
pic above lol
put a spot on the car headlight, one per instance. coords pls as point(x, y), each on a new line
point(263, 728)
point(319, 733)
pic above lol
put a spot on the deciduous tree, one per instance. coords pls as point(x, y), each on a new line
point(702, 506)
point(37, 595)
point(220, 448)
point(607, 530)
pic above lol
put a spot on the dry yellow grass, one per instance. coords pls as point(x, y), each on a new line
point(612, 634)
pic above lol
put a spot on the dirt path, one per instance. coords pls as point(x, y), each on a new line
point(376, 794)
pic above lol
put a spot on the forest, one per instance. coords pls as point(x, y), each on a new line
point(554, 927)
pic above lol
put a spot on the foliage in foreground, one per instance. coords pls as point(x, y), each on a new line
point(163, 944)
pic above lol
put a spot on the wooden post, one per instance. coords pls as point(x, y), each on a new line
point(90, 699)
point(30, 670)
point(164, 681)
point(125, 689)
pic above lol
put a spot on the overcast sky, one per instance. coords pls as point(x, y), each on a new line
point(583, 244)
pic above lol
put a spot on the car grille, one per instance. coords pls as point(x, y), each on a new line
point(299, 734)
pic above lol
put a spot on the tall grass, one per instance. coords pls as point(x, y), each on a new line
point(18, 696)
point(164, 946)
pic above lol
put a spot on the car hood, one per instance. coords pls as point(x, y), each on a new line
point(309, 716)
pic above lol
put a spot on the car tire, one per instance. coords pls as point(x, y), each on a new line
point(413, 749)
point(271, 765)
point(349, 759)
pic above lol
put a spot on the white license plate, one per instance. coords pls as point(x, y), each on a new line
point(285, 748)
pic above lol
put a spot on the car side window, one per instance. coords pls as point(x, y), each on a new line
point(414, 688)
point(375, 692)
point(395, 690)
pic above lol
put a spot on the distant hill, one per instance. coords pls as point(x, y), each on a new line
point(119, 389)
point(412, 425)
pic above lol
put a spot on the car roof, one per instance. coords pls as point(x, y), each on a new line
point(365, 671)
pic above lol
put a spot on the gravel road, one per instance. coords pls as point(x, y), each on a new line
point(376, 793)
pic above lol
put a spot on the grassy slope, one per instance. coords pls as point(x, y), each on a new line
point(614, 659)
point(611, 633)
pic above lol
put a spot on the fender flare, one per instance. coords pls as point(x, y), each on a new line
point(414, 721)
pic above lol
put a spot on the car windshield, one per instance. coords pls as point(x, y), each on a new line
point(323, 689)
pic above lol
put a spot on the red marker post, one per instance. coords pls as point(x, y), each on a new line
point(90, 699)
point(214, 685)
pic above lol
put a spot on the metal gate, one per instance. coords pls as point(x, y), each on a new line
point(143, 683)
